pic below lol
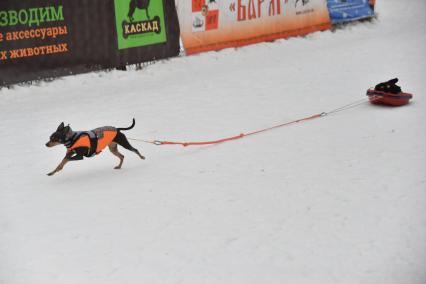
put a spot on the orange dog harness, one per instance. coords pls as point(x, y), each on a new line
point(95, 140)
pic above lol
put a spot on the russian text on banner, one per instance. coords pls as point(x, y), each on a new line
point(45, 38)
point(213, 24)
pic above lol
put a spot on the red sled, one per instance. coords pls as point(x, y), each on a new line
point(390, 99)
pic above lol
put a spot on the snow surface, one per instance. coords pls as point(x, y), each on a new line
point(339, 199)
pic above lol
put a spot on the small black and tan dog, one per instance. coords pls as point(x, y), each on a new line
point(82, 144)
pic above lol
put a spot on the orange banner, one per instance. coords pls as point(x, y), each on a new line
point(216, 24)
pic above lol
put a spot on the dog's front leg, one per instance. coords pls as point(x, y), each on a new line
point(60, 166)
point(75, 155)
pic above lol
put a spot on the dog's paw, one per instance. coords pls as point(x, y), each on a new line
point(51, 173)
point(117, 168)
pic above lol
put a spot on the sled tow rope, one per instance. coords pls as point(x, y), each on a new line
point(242, 135)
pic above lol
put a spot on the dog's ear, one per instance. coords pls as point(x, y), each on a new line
point(60, 127)
point(66, 129)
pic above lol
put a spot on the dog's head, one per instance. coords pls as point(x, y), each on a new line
point(59, 136)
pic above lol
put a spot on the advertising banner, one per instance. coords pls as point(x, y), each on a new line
point(140, 27)
point(49, 38)
point(216, 24)
point(350, 10)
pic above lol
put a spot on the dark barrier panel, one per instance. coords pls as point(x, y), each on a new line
point(46, 38)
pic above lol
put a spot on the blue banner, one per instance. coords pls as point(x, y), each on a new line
point(342, 11)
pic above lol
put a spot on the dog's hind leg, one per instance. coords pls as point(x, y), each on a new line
point(121, 140)
point(114, 150)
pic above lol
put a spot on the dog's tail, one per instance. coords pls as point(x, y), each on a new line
point(128, 128)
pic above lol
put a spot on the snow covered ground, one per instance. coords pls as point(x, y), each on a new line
point(339, 199)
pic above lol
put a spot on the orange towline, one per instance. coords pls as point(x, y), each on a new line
point(240, 136)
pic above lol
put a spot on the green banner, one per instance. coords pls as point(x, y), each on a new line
point(139, 23)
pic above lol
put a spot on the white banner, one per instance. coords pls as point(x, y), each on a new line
point(215, 24)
